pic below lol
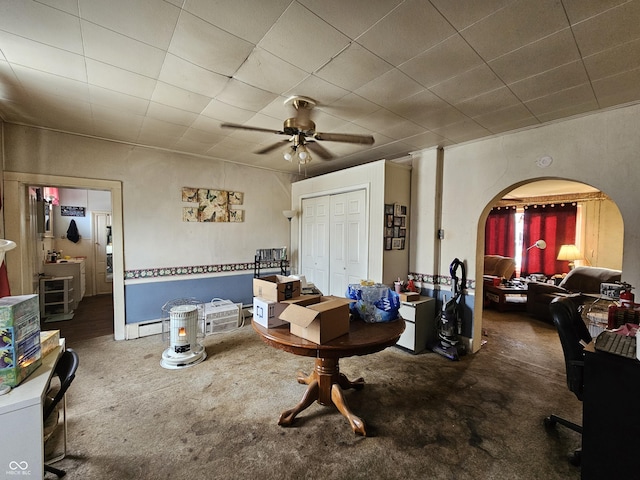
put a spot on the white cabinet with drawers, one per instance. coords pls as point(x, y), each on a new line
point(420, 324)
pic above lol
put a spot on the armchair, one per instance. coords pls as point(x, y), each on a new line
point(584, 280)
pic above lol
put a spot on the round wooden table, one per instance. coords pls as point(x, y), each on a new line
point(325, 384)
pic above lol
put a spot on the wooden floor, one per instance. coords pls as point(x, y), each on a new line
point(92, 318)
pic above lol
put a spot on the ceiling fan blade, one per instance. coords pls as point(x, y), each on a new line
point(271, 148)
point(345, 137)
point(319, 150)
point(254, 129)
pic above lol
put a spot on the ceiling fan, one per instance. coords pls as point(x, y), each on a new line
point(302, 134)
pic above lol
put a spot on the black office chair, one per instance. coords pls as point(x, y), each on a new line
point(65, 370)
point(572, 331)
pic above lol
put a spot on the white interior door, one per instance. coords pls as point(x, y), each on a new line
point(314, 251)
point(349, 241)
point(103, 283)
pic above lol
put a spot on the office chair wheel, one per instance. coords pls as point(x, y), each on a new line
point(549, 422)
point(575, 458)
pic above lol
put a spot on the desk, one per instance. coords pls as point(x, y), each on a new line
point(610, 418)
point(325, 383)
point(21, 413)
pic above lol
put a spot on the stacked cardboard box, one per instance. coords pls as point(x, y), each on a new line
point(277, 301)
point(20, 351)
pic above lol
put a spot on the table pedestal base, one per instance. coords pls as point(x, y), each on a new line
point(325, 384)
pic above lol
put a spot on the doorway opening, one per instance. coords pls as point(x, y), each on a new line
point(21, 267)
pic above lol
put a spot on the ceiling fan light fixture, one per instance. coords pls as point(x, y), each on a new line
point(288, 154)
point(303, 154)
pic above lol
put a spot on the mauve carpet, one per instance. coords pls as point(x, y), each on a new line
point(427, 417)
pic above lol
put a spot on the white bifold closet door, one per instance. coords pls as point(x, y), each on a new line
point(334, 243)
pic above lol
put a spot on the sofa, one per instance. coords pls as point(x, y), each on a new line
point(499, 266)
point(583, 280)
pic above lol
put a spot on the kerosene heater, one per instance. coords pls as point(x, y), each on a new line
point(183, 329)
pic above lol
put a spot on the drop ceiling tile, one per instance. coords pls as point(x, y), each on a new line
point(408, 30)
point(156, 132)
point(577, 95)
point(34, 83)
point(120, 80)
point(464, 131)
point(438, 119)
point(389, 124)
point(351, 107)
point(42, 24)
point(578, 10)
point(596, 33)
point(354, 17)
point(195, 135)
point(299, 27)
point(389, 88)
point(223, 112)
point(415, 107)
point(514, 125)
point(124, 104)
point(618, 89)
point(246, 19)
point(170, 114)
point(424, 140)
point(545, 54)
point(558, 79)
point(568, 111)
point(209, 125)
point(353, 67)
point(510, 115)
point(613, 61)
point(179, 98)
point(325, 122)
point(121, 51)
point(268, 72)
point(183, 74)
point(245, 96)
point(20, 51)
point(149, 21)
point(467, 85)
point(208, 46)
point(527, 22)
point(445, 60)
point(69, 6)
point(492, 101)
point(463, 13)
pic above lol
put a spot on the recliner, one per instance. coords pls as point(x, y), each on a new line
point(65, 370)
point(574, 335)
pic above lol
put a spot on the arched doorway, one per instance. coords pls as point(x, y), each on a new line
point(599, 227)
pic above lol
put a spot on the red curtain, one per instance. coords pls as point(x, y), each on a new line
point(556, 225)
point(500, 232)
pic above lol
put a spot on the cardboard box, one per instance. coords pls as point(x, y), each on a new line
point(20, 352)
point(267, 312)
point(49, 340)
point(409, 296)
point(276, 288)
point(319, 322)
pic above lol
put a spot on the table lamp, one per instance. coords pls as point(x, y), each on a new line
point(570, 253)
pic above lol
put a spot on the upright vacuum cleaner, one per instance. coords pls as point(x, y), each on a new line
point(449, 322)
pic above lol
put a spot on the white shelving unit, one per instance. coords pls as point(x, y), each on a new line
point(56, 298)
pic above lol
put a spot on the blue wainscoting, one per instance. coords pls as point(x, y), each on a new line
point(144, 301)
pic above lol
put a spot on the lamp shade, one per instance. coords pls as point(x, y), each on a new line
point(289, 214)
point(569, 252)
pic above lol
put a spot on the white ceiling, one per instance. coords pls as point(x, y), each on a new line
point(412, 73)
